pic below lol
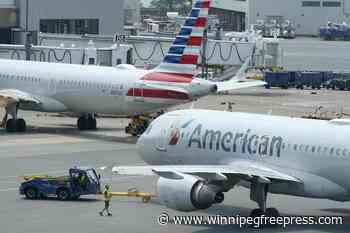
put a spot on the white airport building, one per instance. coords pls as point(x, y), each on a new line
point(103, 17)
point(306, 15)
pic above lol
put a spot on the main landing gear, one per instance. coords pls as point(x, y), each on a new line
point(14, 124)
point(258, 193)
point(87, 122)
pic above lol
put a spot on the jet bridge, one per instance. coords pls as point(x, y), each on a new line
point(150, 50)
point(141, 51)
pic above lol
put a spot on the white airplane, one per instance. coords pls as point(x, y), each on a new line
point(200, 154)
point(124, 90)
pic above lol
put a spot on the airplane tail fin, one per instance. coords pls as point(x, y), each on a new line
point(182, 57)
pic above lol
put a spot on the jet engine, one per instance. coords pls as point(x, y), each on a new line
point(188, 194)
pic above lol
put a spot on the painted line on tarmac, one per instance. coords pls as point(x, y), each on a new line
point(31, 174)
point(8, 189)
point(42, 141)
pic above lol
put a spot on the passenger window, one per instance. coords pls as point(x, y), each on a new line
point(331, 151)
point(307, 148)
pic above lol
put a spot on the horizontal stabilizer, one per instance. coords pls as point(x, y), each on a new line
point(235, 84)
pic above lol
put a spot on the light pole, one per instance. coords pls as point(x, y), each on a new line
point(204, 55)
point(27, 45)
point(27, 17)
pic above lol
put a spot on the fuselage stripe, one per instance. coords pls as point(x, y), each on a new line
point(157, 93)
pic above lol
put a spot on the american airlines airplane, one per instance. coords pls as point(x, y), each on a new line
point(123, 90)
point(201, 154)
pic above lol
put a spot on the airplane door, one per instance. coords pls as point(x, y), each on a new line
point(138, 91)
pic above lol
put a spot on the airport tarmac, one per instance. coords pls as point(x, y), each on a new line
point(312, 53)
point(52, 145)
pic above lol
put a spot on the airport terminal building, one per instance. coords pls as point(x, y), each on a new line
point(63, 16)
point(306, 15)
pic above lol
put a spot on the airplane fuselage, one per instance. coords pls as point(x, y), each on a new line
point(89, 89)
point(316, 151)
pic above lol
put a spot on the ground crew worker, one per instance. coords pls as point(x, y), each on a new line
point(107, 197)
point(82, 181)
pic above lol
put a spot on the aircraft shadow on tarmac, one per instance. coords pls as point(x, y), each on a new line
point(72, 131)
point(53, 199)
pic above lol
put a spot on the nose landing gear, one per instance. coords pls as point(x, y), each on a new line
point(258, 193)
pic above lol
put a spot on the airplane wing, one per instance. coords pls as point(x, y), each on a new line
point(244, 170)
point(239, 81)
point(235, 84)
point(10, 96)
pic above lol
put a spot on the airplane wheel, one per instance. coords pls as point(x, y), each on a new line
point(82, 123)
point(21, 125)
point(92, 123)
point(272, 212)
point(11, 126)
point(256, 213)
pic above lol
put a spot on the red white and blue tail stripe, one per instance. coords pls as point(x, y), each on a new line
point(182, 57)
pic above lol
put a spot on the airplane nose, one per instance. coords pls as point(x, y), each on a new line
point(144, 145)
point(140, 143)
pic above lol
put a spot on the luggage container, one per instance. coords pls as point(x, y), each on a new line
point(277, 79)
point(308, 79)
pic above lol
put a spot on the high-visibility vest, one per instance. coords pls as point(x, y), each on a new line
point(107, 195)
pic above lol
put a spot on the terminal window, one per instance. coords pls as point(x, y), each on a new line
point(70, 26)
point(311, 3)
point(331, 4)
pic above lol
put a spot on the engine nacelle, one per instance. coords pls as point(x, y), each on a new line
point(188, 194)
